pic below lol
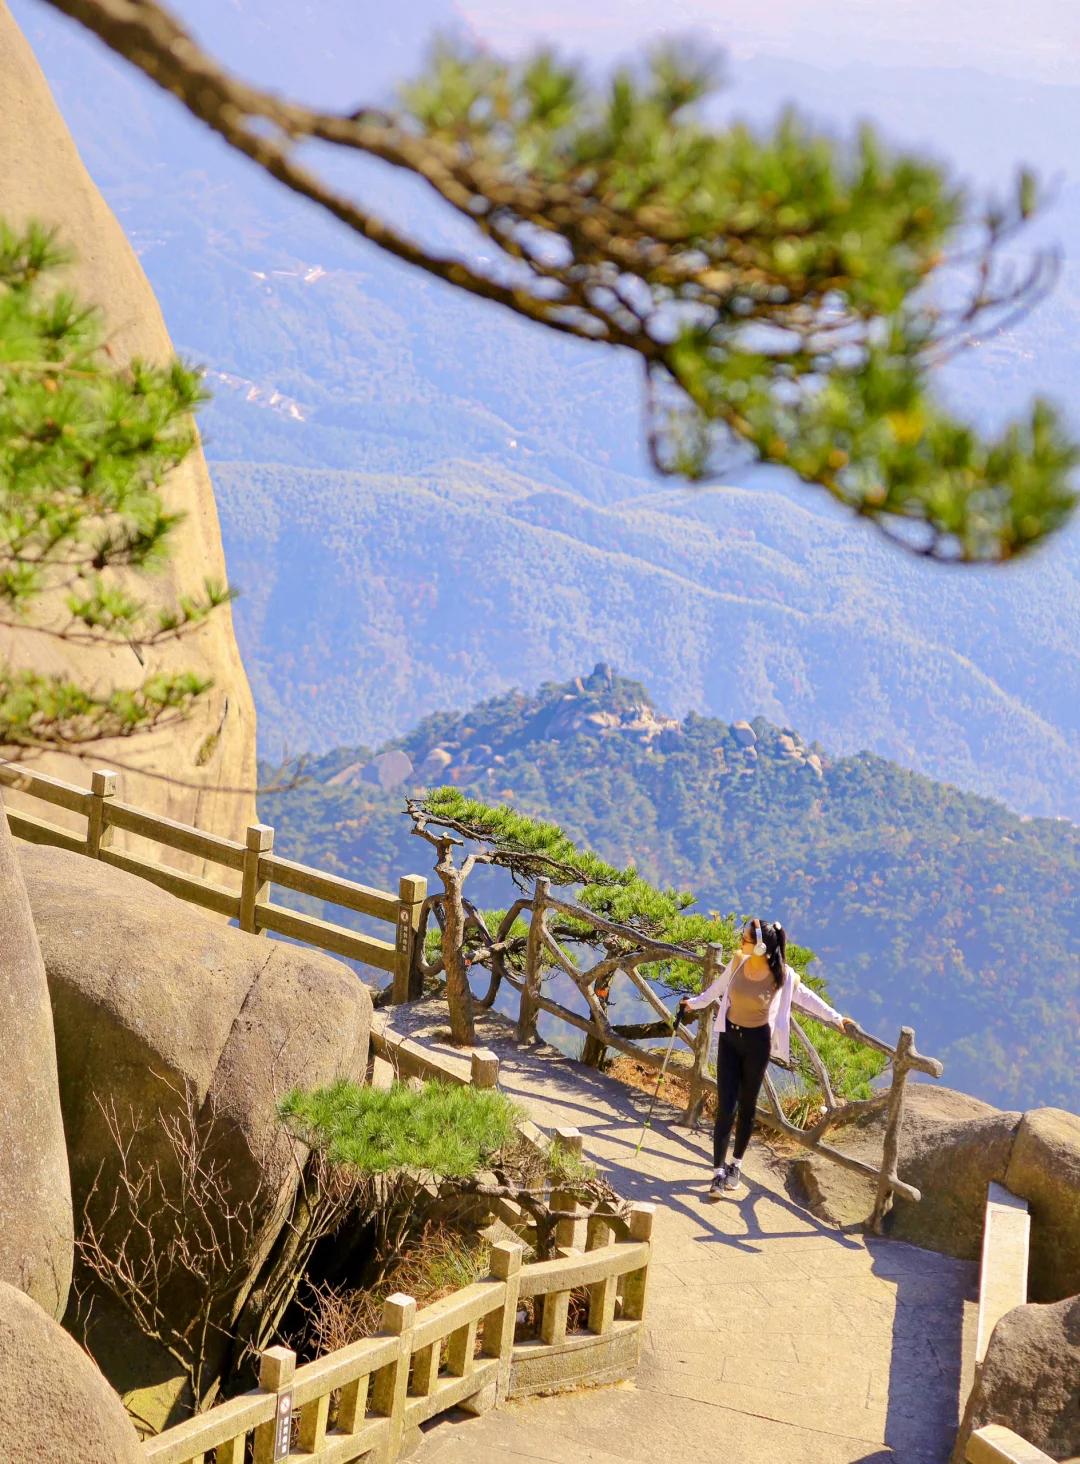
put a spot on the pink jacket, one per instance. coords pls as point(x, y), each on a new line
point(792, 994)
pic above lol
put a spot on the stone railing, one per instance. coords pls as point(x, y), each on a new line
point(253, 867)
point(1003, 1286)
point(545, 948)
point(1003, 1273)
point(459, 1352)
point(996, 1444)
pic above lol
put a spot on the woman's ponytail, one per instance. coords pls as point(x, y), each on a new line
point(776, 951)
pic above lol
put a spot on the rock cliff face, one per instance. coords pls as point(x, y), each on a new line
point(42, 177)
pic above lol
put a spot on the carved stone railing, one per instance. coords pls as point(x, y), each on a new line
point(253, 866)
point(543, 949)
point(459, 1352)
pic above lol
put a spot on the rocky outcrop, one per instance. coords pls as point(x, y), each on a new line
point(388, 770)
point(55, 1406)
point(160, 1013)
point(1030, 1380)
point(1044, 1168)
point(35, 1191)
point(952, 1146)
point(42, 177)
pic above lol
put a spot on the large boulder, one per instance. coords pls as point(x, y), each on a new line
point(1044, 1167)
point(212, 755)
point(951, 1147)
point(1030, 1380)
point(35, 1191)
point(55, 1406)
point(169, 1024)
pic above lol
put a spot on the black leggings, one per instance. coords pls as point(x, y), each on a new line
point(741, 1059)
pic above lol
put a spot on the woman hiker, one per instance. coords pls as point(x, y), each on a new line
point(757, 990)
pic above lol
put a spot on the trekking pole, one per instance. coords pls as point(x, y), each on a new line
point(659, 1084)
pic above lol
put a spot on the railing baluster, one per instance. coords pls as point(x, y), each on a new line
point(553, 1321)
point(425, 1369)
point(352, 1405)
point(602, 1305)
point(313, 1418)
point(231, 1452)
point(460, 1350)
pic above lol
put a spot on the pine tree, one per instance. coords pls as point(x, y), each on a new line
point(84, 448)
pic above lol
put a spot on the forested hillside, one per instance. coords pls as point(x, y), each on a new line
point(371, 598)
point(926, 905)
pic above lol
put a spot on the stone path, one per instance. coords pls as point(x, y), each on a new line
point(771, 1338)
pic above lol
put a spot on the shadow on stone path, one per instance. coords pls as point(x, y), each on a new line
point(770, 1336)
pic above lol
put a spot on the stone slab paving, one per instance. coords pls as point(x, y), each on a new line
point(770, 1336)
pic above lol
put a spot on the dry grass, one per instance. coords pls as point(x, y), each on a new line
point(676, 1086)
point(439, 1261)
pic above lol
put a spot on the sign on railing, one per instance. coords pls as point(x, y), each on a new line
point(254, 862)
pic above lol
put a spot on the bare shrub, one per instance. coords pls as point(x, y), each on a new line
point(203, 1271)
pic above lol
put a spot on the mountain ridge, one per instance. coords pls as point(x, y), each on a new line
point(453, 584)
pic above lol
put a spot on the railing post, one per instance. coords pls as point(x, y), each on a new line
point(484, 1069)
point(635, 1284)
point(390, 1385)
point(276, 1368)
point(714, 959)
point(99, 834)
point(526, 1027)
point(891, 1147)
point(570, 1234)
point(254, 890)
point(499, 1325)
point(412, 892)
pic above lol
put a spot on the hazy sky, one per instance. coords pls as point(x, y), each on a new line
point(1037, 40)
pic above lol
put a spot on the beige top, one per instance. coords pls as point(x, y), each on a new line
point(750, 1000)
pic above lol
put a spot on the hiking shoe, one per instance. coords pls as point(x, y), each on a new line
point(732, 1177)
point(716, 1189)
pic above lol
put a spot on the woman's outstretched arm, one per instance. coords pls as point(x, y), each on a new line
point(810, 1004)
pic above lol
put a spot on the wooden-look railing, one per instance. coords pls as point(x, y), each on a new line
point(255, 862)
point(456, 1353)
point(544, 949)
